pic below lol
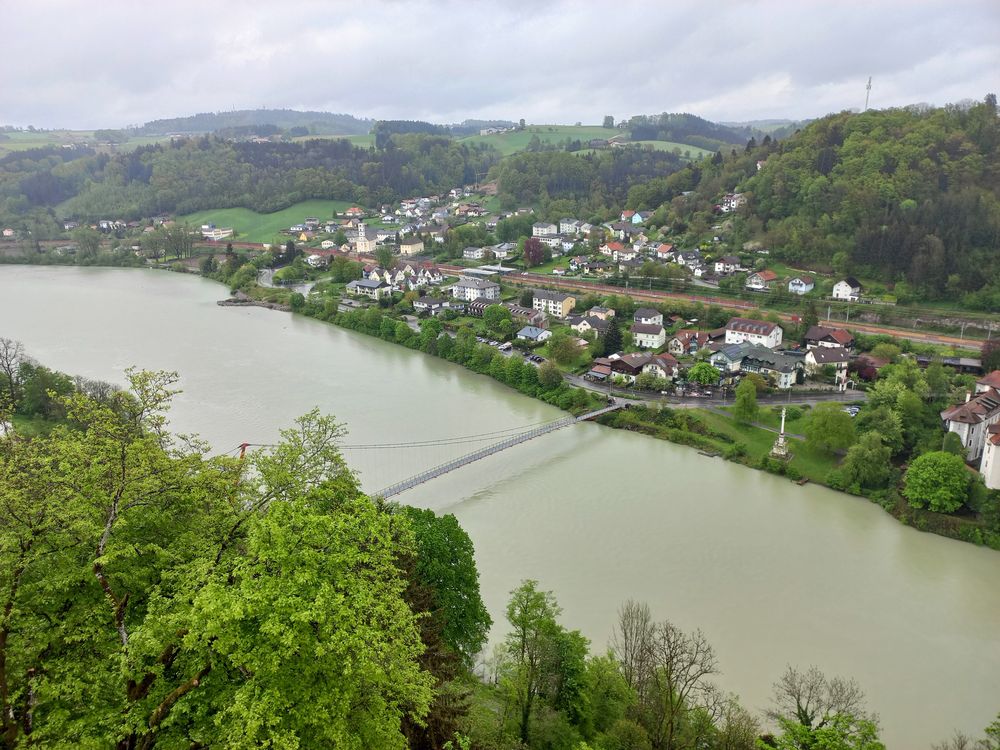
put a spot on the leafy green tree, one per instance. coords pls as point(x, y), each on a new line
point(745, 407)
point(188, 599)
point(867, 463)
point(841, 732)
point(498, 320)
point(297, 301)
point(990, 354)
point(549, 376)
point(613, 338)
point(526, 298)
point(937, 480)
point(385, 257)
point(886, 423)
point(704, 374)
point(88, 241)
point(444, 593)
point(563, 347)
point(952, 443)
point(829, 428)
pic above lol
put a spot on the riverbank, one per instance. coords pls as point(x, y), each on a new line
point(709, 431)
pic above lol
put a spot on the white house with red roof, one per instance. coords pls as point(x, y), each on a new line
point(761, 280)
point(756, 332)
point(972, 421)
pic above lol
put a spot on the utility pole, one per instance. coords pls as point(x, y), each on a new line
point(868, 92)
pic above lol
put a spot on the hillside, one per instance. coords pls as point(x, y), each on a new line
point(910, 197)
point(317, 123)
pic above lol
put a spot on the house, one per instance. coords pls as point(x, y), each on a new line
point(612, 249)
point(604, 313)
point(583, 323)
point(369, 288)
point(662, 366)
point(689, 258)
point(469, 289)
point(328, 244)
point(474, 253)
point(687, 342)
point(534, 333)
point(625, 254)
point(621, 230)
point(801, 284)
point(431, 305)
point(412, 246)
point(732, 201)
point(502, 250)
point(569, 226)
point(755, 332)
point(8, 232)
point(212, 232)
point(429, 274)
point(544, 229)
point(848, 289)
point(665, 251)
point(727, 264)
point(760, 280)
point(972, 420)
point(526, 315)
point(831, 337)
point(782, 369)
point(648, 316)
point(821, 356)
point(729, 358)
point(627, 214)
point(354, 212)
point(640, 217)
point(649, 335)
point(578, 263)
point(553, 303)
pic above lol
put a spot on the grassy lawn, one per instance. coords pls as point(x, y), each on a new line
point(251, 226)
point(692, 152)
point(31, 426)
point(812, 464)
point(510, 143)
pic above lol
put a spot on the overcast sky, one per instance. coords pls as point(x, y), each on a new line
point(119, 62)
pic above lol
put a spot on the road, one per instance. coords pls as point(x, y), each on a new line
point(265, 277)
point(790, 398)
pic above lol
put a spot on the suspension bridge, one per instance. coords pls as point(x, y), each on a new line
point(490, 450)
point(498, 441)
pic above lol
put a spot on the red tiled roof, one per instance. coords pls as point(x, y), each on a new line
point(767, 275)
point(974, 410)
point(992, 380)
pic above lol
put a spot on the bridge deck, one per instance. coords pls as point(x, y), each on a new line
point(461, 461)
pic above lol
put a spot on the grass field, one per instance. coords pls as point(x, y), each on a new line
point(692, 152)
point(251, 226)
point(811, 463)
point(510, 143)
point(364, 141)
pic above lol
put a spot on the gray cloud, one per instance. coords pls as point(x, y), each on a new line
point(84, 65)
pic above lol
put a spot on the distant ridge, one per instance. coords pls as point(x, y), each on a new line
point(317, 123)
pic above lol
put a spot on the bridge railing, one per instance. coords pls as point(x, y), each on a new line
point(468, 458)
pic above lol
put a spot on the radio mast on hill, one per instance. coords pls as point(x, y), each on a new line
point(868, 92)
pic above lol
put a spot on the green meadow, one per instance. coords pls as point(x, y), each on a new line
point(251, 226)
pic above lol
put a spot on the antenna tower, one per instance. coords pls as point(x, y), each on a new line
point(868, 92)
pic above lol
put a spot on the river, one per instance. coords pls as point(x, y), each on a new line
point(773, 573)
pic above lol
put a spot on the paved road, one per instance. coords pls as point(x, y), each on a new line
point(675, 402)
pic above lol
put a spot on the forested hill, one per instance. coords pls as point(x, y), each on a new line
point(317, 123)
point(686, 128)
point(910, 197)
point(186, 175)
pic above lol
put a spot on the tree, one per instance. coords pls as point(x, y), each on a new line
point(498, 320)
point(609, 121)
point(385, 257)
point(704, 374)
point(613, 338)
point(189, 599)
point(531, 648)
point(867, 463)
point(990, 354)
point(829, 428)
point(297, 301)
point(937, 480)
point(526, 299)
point(563, 347)
point(549, 376)
point(534, 252)
point(445, 564)
point(811, 699)
point(88, 241)
point(952, 443)
point(745, 406)
point(884, 422)
point(11, 358)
